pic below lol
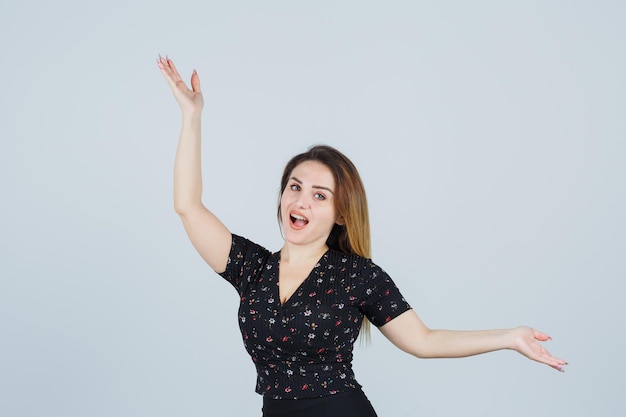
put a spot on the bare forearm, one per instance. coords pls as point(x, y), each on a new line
point(459, 343)
point(411, 335)
point(408, 333)
point(187, 166)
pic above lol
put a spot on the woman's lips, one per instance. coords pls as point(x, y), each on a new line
point(298, 221)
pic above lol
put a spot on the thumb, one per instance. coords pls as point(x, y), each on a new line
point(195, 82)
point(541, 336)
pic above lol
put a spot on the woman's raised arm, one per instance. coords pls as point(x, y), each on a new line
point(208, 234)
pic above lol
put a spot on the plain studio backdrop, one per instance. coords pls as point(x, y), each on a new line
point(490, 137)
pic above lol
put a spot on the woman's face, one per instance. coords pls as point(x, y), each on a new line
point(307, 204)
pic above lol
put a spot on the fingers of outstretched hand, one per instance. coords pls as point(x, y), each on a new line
point(558, 364)
point(542, 355)
point(548, 359)
point(530, 344)
point(541, 336)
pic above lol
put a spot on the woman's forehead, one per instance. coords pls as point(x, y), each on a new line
point(313, 173)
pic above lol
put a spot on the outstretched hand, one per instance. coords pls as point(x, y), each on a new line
point(189, 100)
point(527, 343)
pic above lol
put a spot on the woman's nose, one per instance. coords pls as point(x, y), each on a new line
point(303, 203)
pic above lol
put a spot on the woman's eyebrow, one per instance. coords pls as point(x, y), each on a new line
point(319, 187)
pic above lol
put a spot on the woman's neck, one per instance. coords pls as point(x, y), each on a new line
point(295, 254)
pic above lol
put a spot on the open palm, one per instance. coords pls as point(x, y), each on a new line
point(527, 343)
point(189, 100)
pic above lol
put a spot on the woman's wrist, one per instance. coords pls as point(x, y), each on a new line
point(515, 337)
point(192, 116)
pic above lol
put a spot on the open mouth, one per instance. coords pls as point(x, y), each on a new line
point(298, 221)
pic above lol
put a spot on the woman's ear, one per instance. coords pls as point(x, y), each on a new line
point(340, 221)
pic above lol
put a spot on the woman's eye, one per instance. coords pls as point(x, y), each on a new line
point(294, 187)
point(320, 196)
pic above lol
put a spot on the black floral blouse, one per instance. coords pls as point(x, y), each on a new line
point(303, 348)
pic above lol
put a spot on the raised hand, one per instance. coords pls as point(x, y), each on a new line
point(527, 343)
point(189, 100)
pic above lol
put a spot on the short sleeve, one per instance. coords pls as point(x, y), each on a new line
point(245, 262)
point(383, 301)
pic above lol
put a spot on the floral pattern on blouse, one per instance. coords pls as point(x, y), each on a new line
point(303, 348)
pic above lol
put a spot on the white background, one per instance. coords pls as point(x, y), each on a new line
point(490, 137)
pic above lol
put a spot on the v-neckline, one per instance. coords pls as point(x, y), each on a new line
point(289, 299)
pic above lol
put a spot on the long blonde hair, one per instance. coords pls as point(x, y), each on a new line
point(353, 235)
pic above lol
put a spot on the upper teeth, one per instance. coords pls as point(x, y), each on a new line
point(297, 217)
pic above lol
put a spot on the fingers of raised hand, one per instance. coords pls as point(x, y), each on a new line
point(195, 82)
point(170, 72)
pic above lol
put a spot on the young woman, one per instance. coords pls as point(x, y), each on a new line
point(302, 308)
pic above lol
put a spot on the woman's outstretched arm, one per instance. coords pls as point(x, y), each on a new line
point(409, 334)
point(208, 234)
